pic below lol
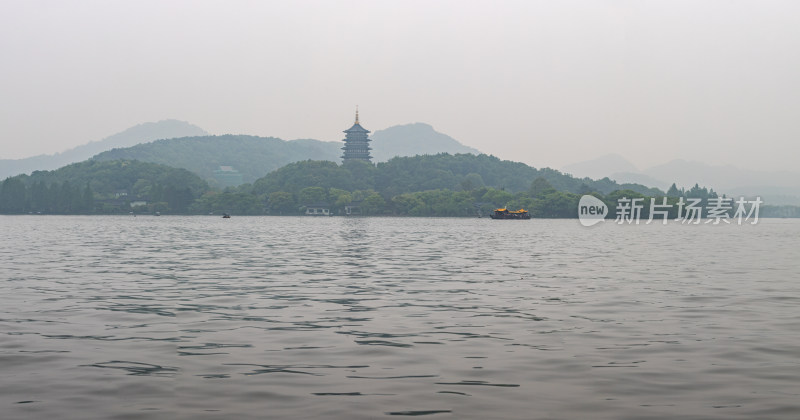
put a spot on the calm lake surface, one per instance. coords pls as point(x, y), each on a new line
point(291, 317)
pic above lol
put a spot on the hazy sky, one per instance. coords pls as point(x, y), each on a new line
point(547, 83)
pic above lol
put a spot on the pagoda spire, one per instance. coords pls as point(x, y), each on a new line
point(356, 114)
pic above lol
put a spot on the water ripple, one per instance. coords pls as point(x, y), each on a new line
point(291, 317)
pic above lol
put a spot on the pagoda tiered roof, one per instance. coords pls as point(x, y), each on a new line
point(356, 128)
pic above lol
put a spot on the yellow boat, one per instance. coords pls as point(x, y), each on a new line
point(520, 214)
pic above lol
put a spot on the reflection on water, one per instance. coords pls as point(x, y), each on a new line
point(281, 317)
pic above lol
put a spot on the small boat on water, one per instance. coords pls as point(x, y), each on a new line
point(226, 216)
point(520, 214)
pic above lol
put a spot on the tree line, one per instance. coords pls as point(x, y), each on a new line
point(437, 185)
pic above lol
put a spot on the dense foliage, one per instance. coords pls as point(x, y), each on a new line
point(430, 185)
point(102, 187)
point(429, 172)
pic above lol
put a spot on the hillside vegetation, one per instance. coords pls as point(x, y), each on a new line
point(253, 156)
point(429, 172)
point(431, 185)
point(101, 187)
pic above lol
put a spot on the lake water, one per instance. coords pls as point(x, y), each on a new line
point(290, 317)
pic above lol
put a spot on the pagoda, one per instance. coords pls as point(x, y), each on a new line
point(356, 143)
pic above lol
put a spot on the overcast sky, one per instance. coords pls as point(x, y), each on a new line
point(548, 83)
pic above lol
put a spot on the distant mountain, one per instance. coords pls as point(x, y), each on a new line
point(601, 167)
point(252, 156)
point(414, 139)
point(775, 187)
point(255, 157)
point(138, 134)
point(687, 173)
point(640, 178)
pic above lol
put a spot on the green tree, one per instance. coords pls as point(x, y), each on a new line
point(404, 204)
point(674, 191)
point(65, 198)
point(557, 204)
point(12, 196)
point(39, 202)
point(373, 204)
point(584, 189)
point(282, 202)
point(87, 203)
point(340, 198)
point(498, 198)
point(540, 188)
point(312, 195)
point(142, 188)
point(471, 181)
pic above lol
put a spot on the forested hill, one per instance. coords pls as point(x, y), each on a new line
point(251, 155)
point(430, 172)
point(255, 156)
point(101, 187)
point(430, 185)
